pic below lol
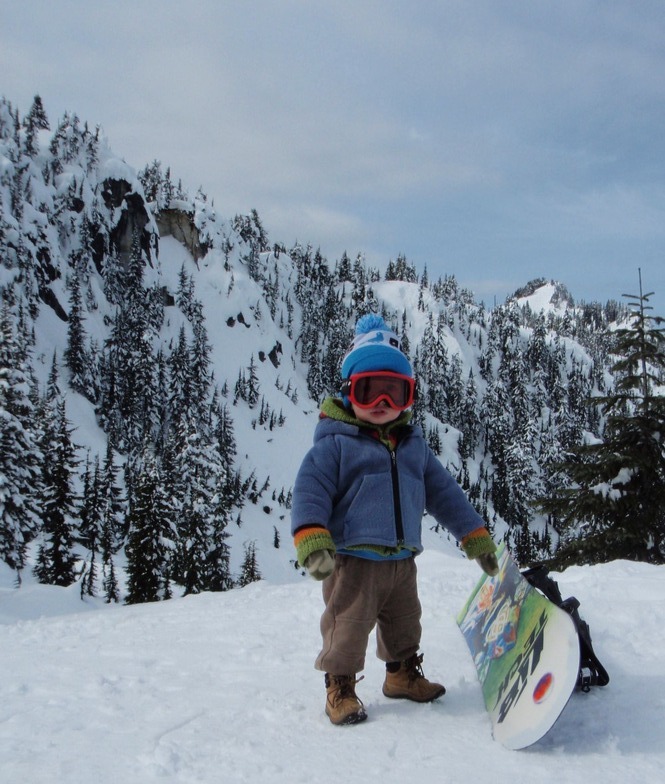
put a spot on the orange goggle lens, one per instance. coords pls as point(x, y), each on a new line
point(366, 390)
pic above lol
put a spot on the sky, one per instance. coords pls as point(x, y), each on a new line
point(496, 140)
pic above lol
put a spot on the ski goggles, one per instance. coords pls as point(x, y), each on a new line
point(367, 390)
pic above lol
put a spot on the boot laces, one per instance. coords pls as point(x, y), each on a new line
point(345, 688)
point(413, 666)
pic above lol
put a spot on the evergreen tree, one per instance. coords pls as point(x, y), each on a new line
point(56, 560)
point(151, 178)
point(112, 537)
point(218, 559)
point(34, 122)
point(337, 340)
point(454, 392)
point(200, 366)
point(401, 269)
point(250, 569)
point(201, 518)
point(469, 421)
point(151, 539)
point(252, 388)
point(614, 504)
point(114, 278)
point(181, 396)
point(128, 394)
point(91, 524)
point(434, 367)
point(159, 431)
point(225, 443)
point(522, 474)
point(343, 272)
point(20, 455)
point(499, 426)
point(75, 353)
point(184, 296)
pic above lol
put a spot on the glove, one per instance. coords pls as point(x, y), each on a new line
point(488, 563)
point(320, 564)
point(315, 550)
point(479, 546)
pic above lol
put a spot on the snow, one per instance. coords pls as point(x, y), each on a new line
point(221, 688)
point(541, 299)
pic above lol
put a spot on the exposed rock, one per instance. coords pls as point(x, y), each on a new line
point(180, 225)
point(118, 194)
point(48, 297)
point(276, 349)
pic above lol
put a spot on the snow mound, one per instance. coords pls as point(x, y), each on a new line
point(221, 687)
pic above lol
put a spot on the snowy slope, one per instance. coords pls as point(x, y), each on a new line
point(272, 455)
point(230, 283)
point(221, 688)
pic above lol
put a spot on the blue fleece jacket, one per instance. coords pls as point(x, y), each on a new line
point(365, 494)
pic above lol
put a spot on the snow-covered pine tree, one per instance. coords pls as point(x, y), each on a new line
point(401, 269)
point(201, 378)
point(35, 121)
point(151, 541)
point(250, 572)
point(128, 397)
point(201, 517)
point(113, 531)
point(252, 389)
point(469, 420)
point(20, 454)
point(218, 559)
point(75, 355)
point(614, 503)
point(343, 272)
point(180, 395)
point(433, 368)
point(114, 278)
point(56, 560)
point(336, 342)
point(90, 524)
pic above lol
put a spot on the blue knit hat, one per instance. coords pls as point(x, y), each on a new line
point(375, 347)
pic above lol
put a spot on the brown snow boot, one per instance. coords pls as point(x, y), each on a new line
point(405, 680)
point(342, 704)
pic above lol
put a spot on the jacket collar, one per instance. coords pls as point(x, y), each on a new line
point(334, 408)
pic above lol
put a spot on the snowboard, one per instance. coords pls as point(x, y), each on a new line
point(526, 651)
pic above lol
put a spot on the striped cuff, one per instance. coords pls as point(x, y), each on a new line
point(309, 540)
point(478, 542)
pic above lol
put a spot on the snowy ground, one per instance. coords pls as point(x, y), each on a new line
point(221, 688)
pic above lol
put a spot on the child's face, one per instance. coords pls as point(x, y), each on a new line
point(381, 414)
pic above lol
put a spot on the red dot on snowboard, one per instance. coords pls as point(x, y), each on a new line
point(543, 688)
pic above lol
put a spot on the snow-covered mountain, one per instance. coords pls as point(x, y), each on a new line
point(117, 281)
point(503, 392)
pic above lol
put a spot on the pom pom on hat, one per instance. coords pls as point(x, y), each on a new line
point(375, 347)
point(369, 323)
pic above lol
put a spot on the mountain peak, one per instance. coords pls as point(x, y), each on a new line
point(542, 294)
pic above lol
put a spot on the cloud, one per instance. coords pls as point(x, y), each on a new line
point(472, 136)
point(335, 231)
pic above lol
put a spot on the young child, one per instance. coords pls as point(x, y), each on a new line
point(358, 503)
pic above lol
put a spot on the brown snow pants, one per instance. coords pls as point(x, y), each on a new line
point(359, 595)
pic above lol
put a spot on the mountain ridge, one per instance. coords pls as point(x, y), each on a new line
point(162, 274)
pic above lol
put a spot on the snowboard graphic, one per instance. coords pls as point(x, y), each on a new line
point(526, 651)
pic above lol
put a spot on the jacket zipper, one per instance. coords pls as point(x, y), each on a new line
point(399, 525)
